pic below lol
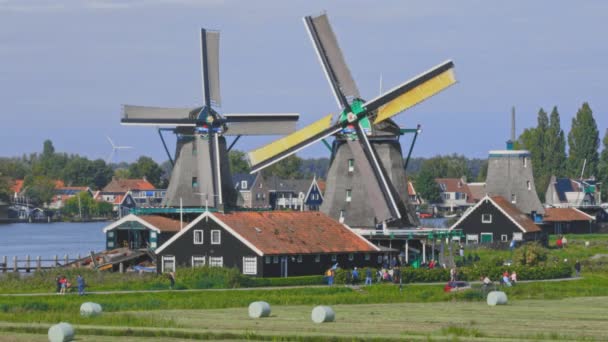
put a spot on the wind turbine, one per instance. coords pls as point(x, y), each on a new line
point(114, 149)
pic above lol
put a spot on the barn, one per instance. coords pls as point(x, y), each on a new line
point(144, 231)
point(494, 219)
point(267, 244)
point(568, 221)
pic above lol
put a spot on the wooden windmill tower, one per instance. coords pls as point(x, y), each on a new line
point(366, 184)
point(201, 174)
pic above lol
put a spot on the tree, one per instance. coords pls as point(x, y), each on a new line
point(39, 189)
point(5, 188)
point(603, 167)
point(555, 146)
point(288, 168)
point(533, 140)
point(583, 141)
point(426, 186)
point(146, 167)
point(81, 205)
point(238, 162)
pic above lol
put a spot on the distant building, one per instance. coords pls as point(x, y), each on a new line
point(477, 191)
point(412, 195)
point(62, 194)
point(141, 232)
point(267, 244)
point(143, 192)
point(258, 192)
point(495, 219)
point(573, 193)
point(568, 221)
point(455, 194)
point(252, 191)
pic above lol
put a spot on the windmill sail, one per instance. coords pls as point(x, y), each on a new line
point(158, 116)
point(210, 67)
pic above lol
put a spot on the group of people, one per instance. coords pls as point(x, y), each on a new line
point(353, 277)
point(63, 284)
point(561, 242)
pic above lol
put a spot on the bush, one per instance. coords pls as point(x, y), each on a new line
point(530, 254)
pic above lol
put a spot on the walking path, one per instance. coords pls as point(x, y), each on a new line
point(269, 288)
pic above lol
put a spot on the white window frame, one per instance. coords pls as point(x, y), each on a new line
point(351, 256)
point(529, 185)
point(202, 235)
point(349, 195)
point(250, 265)
point(217, 241)
point(513, 198)
point(518, 236)
point(167, 258)
point(525, 161)
point(275, 259)
point(267, 259)
point(318, 258)
point(504, 238)
point(472, 238)
point(486, 218)
point(244, 184)
point(216, 261)
point(334, 258)
point(341, 218)
point(198, 258)
point(351, 165)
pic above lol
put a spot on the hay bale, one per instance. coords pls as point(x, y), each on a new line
point(62, 332)
point(323, 314)
point(259, 309)
point(497, 298)
point(89, 309)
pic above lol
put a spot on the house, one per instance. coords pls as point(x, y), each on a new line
point(145, 231)
point(455, 194)
point(572, 193)
point(122, 204)
point(314, 196)
point(412, 195)
point(287, 193)
point(143, 192)
point(477, 191)
point(267, 244)
point(567, 221)
point(62, 194)
point(495, 219)
point(251, 191)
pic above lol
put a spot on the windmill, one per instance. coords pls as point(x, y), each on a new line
point(375, 192)
point(115, 148)
point(201, 158)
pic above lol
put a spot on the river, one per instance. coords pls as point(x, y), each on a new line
point(50, 239)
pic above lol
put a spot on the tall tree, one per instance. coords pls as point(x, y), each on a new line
point(584, 142)
point(603, 167)
point(533, 140)
point(146, 167)
point(554, 153)
point(426, 186)
point(288, 168)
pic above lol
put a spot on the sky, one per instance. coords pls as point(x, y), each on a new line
point(67, 66)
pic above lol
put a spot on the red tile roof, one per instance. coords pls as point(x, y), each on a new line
point(165, 224)
point(17, 186)
point(321, 184)
point(124, 185)
point(455, 185)
point(295, 232)
point(515, 214)
point(410, 189)
point(565, 215)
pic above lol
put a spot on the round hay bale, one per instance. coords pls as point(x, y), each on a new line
point(62, 332)
point(323, 314)
point(89, 309)
point(497, 298)
point(259, 309)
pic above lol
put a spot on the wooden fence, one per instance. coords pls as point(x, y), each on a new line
point(36, 264)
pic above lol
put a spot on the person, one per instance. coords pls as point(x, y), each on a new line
point(577, 268)
point(513, 278)
point(355, 276)
point(58, 283)
point(452, 274)
point(431, 264)
point(368, 276)
point(558, 243)
point(64, 284)
point(461, 251)
point(171, 279)
point(512, 245)
point(505, 279)
point(330, 276)
point(80, 282)
point(564, 241)
point(486, 281)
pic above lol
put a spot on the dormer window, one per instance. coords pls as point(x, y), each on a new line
point(244, 184)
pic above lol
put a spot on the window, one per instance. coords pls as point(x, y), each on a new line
point(367, 256)
point(198, 237)
point(168, 264)
point(334, 258)
point(445, 195)
point(194, 148)
point(216, 261)
point(486, 218)
point(525, 162)
point(318, 258)
point(349, 194)
point(194, 182)
point(267, 260)
point(518, 236)
point(351, 165)
point(275, 259)
point(513, 198)
point(216, 237)
point(341, 219)
point(300, 258)
point(351, 257)
point(528, 185)
point(198, 261)
point(442, 186)
point(487, 237)
point(250, 265)
point(244, 184)
point(504, 238)
point(379, 259)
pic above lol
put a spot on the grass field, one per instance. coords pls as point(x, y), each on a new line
point(568, 319)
